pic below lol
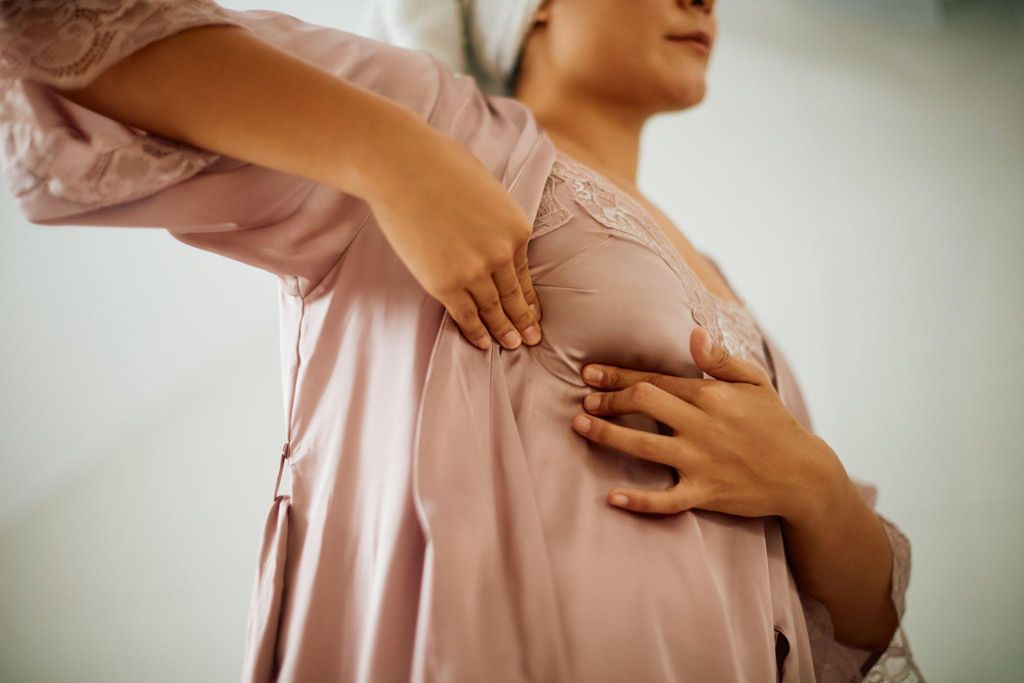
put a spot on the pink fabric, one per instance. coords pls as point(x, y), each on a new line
point(444, 522)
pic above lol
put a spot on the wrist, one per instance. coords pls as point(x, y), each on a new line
point(820, 491)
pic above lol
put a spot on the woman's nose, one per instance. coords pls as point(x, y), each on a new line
point(706, 5)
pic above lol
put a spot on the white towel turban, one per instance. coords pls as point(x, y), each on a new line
point(480, 37)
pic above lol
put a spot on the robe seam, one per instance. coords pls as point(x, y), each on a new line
point(297, 355)
point(313, 288)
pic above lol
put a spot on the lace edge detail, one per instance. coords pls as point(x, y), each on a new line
point(832, 662)
point(729, 325)
point(896, 664)
point(900, 545)
point(50, 43)
point(42, 151)
point(836, 663)
point(67, 44)
point(551, 214)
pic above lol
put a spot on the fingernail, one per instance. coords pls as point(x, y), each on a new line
point(593, 374)
point(532, 334)
point(511, 339)
point(536, 311)
point(483, 342)
point(582, 423)
point(708, 344)
point(619, 499)
point(591, 402)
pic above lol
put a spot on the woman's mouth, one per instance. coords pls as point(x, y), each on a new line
point(698, 40)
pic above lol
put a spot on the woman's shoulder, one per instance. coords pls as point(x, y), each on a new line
point(500, 131)
point(409, 77)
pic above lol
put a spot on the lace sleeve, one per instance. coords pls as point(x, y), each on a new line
point(67, 44)
point(834, 661)
point(45, 44)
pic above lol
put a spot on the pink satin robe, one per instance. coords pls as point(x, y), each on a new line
point(444, 522)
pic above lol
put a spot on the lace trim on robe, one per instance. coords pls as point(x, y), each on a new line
point(62, 44)
point(67, 44)
point(550, 214)
point(728, 323)
point(731, 325)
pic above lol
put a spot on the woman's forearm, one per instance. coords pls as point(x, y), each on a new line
point(840, 554)
point(226, 90)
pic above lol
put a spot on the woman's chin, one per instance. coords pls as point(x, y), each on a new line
point(670, 87)
point(685, 94)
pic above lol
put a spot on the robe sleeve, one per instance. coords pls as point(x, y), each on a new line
point(68, 165)
point(834, 661)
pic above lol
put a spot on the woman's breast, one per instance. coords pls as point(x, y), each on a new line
point(610, 295)
point(613, 288)
point(609, 299)
point(607, 295)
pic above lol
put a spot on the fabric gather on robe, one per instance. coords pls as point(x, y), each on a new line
point(444, 522)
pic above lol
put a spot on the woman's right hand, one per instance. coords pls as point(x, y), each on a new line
point(460, 234)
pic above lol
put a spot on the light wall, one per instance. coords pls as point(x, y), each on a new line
point(860, 181)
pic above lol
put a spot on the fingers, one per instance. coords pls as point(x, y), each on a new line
point(495, 306)
point(682, 496)
point(513, 301)
point(693, 390)
point(712, 358)
point(488, 301)
point(646, 445)
point(716, 360)
point(503, 303)
point(522, 269)
point(648, 399)
point(463, 310)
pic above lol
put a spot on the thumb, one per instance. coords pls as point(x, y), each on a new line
point(716, 360)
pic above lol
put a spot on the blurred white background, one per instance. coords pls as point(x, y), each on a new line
point(857, 169)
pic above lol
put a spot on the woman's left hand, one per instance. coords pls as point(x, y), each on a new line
point(737, 448)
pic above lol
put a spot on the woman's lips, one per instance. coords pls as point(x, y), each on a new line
point(699, 41)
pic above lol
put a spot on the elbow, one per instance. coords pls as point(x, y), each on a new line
point(874, 636)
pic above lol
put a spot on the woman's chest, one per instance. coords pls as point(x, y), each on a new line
point(707, 274)
point(616, 288)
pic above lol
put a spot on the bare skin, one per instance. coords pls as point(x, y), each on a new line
point(594, 72)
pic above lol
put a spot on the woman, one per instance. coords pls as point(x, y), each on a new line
point(445, 522)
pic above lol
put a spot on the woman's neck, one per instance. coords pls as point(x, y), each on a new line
point(603, 137)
